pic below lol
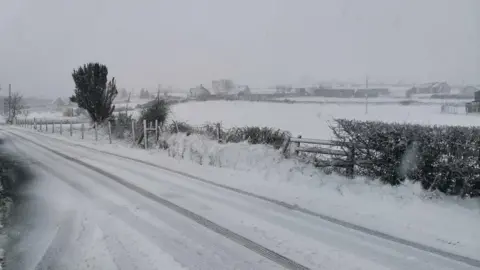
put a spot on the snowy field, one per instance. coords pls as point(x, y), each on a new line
point(311, 120)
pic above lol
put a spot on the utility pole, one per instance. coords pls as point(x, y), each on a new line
point(9, 100)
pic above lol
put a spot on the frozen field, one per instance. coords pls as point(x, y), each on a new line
point(311, 120)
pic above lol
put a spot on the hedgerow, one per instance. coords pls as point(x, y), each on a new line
point(252, 135)
point(444, 158)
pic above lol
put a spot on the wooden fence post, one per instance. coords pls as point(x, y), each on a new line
point(82, 128)
point(110, 132)
point(145, 133)
point(298, 144)
point(156, 130)
point(46, 126)
point(286, 144)
point(61, 128)
point(133, 130)
point(53, 127)
point(71, 131)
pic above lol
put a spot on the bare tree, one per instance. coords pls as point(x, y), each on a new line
point(16, 106)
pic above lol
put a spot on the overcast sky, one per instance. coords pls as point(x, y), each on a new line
point(256, 42)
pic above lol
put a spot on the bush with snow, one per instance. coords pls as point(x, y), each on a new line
point(253, 135)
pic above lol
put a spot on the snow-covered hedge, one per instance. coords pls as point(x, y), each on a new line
point(444, 158)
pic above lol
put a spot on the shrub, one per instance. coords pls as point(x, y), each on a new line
point(256, 135)
point(121, 125)
point(444, 158)
point(158, 110)
point(68, 112)
point(176, 127)
point(252, 135)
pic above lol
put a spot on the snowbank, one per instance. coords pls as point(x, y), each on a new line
point(406, 211)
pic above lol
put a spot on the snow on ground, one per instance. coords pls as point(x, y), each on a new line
point(132, 104)
point(50, 115)
point(405, 211)
point(310, 120)
point(178, 94)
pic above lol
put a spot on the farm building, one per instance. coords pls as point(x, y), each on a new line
point(371, 92)
point(474, 106)
point(199, 92)
point(283, 89)
point(222, 86)
point(430, 88)
point(238, 91)
point(58, 103)
point(301, 91)
point(332, 92)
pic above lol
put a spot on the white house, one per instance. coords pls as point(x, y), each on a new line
point(198, 92)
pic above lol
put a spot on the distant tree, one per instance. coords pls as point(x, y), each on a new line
point(16, 106)
point(144, 94)
point(93, 92)
point(123, 93)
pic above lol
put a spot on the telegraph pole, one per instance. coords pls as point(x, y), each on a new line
point(9, 100)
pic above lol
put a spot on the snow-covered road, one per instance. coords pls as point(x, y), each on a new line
point(97, 211)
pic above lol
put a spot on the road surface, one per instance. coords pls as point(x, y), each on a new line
point(89, 210)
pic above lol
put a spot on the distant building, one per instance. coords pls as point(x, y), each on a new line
point(243, 90)
point(58, 102)
point(371, 92)
point(333, 92)
point(301, 91)
point(222, 86)
point(282, 89)
point(199, 92)
point(430, 88)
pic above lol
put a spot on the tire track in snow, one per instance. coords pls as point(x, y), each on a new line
point(54, 256)
point(293, 207)
point(253, 246)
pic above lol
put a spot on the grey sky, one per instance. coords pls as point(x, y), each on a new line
point(255, 42)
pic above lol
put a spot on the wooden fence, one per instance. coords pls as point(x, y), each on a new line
point(342, 154)
point(70, 127)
